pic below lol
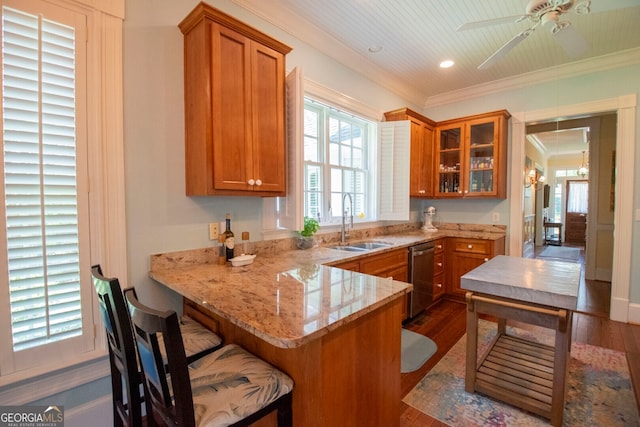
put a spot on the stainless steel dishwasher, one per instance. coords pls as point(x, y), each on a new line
point(421, 273)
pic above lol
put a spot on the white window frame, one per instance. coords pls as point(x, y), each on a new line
point(103, 124)
point(284, 215)
point(331, 214)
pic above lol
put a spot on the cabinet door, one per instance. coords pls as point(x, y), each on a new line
point(267, 103)
point(449, 158)
point(231, 99)
point(481, 157)
point(421, 176)
point(462, 263)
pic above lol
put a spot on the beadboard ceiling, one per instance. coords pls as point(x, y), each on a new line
point(416, 35)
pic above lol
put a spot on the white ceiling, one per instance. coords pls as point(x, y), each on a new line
point(416, 35)
point(560, 143)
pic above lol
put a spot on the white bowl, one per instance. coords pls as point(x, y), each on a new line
point(241, 260)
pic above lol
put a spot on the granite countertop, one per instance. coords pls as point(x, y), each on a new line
point(289, 298)
point(545, 282)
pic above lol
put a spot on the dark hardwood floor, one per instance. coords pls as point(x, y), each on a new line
point(445, 324)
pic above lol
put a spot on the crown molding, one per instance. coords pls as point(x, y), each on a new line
point(336, 49)
point(333, 48)
point(591, 65)
point(537, 144)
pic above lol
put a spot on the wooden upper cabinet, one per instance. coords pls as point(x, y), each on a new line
point(234, 107)
point(421, 166)
point(471, 156)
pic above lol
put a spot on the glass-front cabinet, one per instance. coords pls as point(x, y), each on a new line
point(471, 156)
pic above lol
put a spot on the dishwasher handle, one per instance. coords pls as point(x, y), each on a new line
point(420, 250)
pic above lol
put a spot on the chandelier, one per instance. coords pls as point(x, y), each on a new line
point(583, 170)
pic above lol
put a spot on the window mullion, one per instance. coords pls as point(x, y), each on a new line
point(326, 167)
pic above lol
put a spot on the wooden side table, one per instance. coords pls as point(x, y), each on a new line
point(547, 236)
point(525, 374)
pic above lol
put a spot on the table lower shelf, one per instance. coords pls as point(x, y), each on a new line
point(518, 372)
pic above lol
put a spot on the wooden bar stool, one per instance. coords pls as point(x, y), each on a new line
point(229, 387)
point(125, 371)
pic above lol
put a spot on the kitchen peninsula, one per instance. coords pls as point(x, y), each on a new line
point(335, 332)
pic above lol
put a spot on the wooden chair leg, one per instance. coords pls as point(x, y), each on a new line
point(285, 413)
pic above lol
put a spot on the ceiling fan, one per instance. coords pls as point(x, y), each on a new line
point(547, 13)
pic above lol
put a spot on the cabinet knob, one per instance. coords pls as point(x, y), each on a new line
point(439, 285)
point(251, 182)
point(466, 191)
point(258, 182)
point(421, 191)
point(469, 246)
point(486, 259)
point(439, 246)
point(439, 264)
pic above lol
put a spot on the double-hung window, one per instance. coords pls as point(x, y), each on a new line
point(339, 161)
point(338, 167)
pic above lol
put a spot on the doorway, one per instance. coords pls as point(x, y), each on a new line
point(576, 212)
point(625, 107)
point(580, 209)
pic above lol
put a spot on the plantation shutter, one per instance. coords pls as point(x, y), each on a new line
point(393, 168)
point(40, 186)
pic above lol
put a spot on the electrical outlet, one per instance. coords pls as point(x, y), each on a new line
point(496, 216)
point(213, 231)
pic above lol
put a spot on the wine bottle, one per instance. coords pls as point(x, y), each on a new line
point(229, 242)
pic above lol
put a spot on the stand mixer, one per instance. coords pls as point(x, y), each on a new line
point(428, 215)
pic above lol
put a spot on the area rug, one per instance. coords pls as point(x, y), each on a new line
point(599, 389)
point(560, 252)
point(416, 350)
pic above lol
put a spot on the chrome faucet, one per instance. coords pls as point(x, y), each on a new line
point(344, 233)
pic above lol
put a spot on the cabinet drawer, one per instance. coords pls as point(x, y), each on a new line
point(400, 273)
point(380, 265)
point(349, 265)
point(438, 286)
point(438, 263)
point(473, 246)
point(438, 246)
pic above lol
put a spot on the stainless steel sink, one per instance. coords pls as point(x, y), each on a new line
point(348, 248)
point(361, 247)
point(370, 245)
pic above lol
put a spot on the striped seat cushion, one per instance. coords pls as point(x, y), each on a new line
point(231, 384)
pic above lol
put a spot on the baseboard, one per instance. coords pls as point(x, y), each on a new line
point(634, 313)
point(97, 413)
point(621, 310)
point(604, 274)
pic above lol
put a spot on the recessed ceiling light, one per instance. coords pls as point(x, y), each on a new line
point(375, 49)
point(447, 63)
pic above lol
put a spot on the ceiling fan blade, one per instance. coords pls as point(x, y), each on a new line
point(498, 54)
point(490, 22)
point(571, 40)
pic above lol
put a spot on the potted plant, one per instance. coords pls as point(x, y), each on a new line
point(305, 236)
